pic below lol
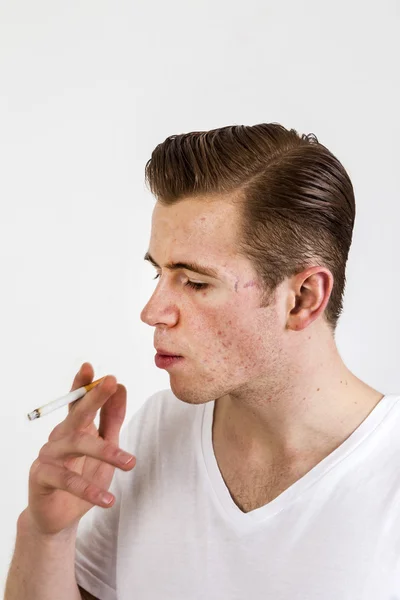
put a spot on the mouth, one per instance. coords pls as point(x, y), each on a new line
point(163, 352)
point(167, 360)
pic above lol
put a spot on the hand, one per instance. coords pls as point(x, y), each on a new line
point(76, 466)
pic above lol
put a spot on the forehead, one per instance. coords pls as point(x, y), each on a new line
point(203, 227)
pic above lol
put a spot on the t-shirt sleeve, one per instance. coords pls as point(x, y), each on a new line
point(96, 543)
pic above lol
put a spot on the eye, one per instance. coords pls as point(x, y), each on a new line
point(192, 284)
point(196, 286)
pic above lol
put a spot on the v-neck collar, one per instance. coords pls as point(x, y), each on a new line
point(244, 522)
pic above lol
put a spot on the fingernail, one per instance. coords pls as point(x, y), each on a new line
point(106, 498)
point(124, 458)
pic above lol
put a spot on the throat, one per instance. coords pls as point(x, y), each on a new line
point(254, 479)
point(250, 486)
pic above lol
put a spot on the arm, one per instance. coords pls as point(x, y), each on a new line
point(43, 567)
point(43, 564)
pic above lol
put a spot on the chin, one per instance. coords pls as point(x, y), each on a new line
point(191, 395)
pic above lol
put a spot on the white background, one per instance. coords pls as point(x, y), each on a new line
point(87, 90)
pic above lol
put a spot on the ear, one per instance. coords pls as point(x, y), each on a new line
point(308, 295)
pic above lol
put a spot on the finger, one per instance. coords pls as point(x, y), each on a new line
point(85, 409)
point(79, 444)
point(53, 477)
point(83, 377)
point(112, 415)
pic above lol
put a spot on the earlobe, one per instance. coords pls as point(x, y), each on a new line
point(301, 317)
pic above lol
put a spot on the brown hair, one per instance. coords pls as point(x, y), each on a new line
point(296, 199)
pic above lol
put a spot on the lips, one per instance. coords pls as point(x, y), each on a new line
point(165, 352)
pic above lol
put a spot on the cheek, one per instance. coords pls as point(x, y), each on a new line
point(239, 338)
point(246, 335)
point(232, 330)
point(216, 330)
point(237, 352)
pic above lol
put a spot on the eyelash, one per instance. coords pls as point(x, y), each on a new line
point(192, 284)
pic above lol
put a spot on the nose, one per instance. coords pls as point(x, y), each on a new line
point(160, 309)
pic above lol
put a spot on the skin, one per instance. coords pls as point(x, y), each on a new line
point(284, 397)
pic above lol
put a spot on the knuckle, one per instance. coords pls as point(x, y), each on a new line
point(109, 450)
point(92, 492)
point(77, 439)
point(39, 475)
point(36, 467)
point(57, 432)
point(44, 450)
point(79, 487)
point(71, 481)
point(87, 414)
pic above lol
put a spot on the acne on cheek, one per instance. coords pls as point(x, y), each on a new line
point(226, 344)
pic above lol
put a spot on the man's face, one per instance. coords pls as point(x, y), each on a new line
point(226, 339)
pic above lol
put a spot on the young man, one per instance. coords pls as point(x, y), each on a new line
point(269, 469)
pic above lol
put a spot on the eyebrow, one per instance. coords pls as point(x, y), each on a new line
point(190, 266)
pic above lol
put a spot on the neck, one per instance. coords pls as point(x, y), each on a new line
point(312, 405)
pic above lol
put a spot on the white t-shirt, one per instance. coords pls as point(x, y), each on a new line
point(175, 533)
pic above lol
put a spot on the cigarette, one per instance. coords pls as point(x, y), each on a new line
point(63, 401)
